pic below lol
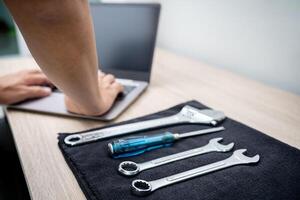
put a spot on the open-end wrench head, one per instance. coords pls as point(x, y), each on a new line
point(220, 147)
point(203, 116)
point(129, 168)
point(141, 187)
point(239, 154)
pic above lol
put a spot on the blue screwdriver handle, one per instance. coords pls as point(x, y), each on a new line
point(139, 152)
point(134, 144)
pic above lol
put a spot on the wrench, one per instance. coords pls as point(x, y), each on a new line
point(143, 188)
point(188, 114)
point(129, 168)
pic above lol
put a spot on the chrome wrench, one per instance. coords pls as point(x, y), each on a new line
point(143, 188)
point(188, 114)
point(129, 168)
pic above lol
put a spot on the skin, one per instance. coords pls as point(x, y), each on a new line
point(60, 37)
point(23, 85)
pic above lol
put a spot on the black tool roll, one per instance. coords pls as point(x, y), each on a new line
point(276, 176)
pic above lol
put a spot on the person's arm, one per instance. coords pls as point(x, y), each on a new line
point(60, 37)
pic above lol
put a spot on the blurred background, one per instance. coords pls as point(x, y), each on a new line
point(259, 39)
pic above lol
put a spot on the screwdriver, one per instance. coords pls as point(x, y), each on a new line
point(133, 146)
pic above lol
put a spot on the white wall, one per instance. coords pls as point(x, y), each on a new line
point(256, 38)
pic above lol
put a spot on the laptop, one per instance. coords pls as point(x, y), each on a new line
point(125, 36)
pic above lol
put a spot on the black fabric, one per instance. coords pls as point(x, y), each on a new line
point(276, 176)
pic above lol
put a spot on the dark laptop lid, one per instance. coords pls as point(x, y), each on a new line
point(125, 37)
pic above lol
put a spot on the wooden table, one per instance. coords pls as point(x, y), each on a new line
point(175, 79)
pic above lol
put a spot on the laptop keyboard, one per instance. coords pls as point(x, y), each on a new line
point(126, 91)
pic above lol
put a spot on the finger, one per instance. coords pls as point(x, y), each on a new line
point(101, 74)
point(35, 71)
point(31, 71)
point(37, 79)
point(117, 87)
point(109, 78)
point(36, 92)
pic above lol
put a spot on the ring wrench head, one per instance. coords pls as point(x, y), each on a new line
point(239, 155)
point(129, 168)
point(141, 187)
point(214, 143)
point(73, 139)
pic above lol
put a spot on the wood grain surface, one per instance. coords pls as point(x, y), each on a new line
point(175, 79)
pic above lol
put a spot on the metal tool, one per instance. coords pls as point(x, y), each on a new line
point(142, 187)
point(129, 168)
point(133, 146)
point(188, 114)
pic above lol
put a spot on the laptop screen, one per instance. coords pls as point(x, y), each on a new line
point(125, 36)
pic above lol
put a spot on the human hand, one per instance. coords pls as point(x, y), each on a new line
point(23, 85)
point(108, 89)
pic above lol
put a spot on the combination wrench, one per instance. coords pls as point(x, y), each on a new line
point(188, 114)
point(129, 168)
point(143, 188)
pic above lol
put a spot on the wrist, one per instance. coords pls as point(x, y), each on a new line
point(94, 109)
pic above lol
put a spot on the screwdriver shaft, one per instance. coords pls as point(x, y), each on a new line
point(200, 132)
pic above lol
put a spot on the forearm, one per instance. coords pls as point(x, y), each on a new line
point(60, 36)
